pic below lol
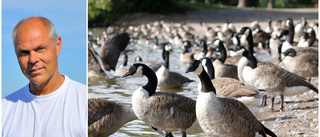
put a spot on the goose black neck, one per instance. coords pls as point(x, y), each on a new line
point(280, 52)
point(206, 85)
point(152, 80)
point(250, 42)
point(166, 58)
point(312, 38)
point(252, 61)
point(205, 47)
point(223, 52)
point(269, 23)
point(125, 61)
point(291, 33)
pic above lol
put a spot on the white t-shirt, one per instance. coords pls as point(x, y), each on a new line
point(62, 113)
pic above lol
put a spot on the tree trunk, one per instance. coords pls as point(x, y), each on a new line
point(242, 3)
point(270, 4)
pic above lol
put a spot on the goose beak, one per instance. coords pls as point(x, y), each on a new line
point(188, 70)
point(125, 75)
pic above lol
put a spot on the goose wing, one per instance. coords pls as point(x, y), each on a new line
point(229, 87)
point(110, 51)
point(179, 107)
point(99, 109)
point(242, 116)
point(290, 79)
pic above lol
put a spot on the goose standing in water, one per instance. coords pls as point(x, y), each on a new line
point(166, 78)
point(123, 67)
point(272, 78)
point(106, 117)
point(223, 116)
point(186, 56)
point(162, 110)
point(221, 69)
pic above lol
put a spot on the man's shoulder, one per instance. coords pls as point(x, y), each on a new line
point(17, 95)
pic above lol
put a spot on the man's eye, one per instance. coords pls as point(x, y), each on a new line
point(23, 53)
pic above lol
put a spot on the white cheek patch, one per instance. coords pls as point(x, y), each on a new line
point(139, 71)
point(216, 43)
point(198, 70)
point(204, 61)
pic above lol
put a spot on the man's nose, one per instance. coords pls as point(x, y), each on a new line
point(34, 57)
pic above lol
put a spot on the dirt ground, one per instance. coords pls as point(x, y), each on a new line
point(300, 117)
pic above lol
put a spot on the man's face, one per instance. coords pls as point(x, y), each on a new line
point(36, 52)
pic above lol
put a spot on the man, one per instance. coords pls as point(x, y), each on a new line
point(51, 104)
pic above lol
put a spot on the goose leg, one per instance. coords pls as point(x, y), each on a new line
point(184, 134)
point(264, 100)
point(169, 135)
point(281, 103)
point(272, 103)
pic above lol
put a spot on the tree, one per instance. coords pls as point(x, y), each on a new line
point(270, 4)
point(242, 4)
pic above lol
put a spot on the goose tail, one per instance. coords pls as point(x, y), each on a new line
point(268, 131)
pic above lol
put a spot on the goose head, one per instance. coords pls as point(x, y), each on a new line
point(138, 59)
point(195, 67)
point(136, 69)
point(290, 52)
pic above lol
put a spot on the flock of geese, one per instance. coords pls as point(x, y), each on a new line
point(235, 66)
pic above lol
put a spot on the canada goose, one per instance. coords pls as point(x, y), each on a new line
point(110, 51)
point(269, 29)
point(306, 41)
point(230, 87)
point(210, 33)
point(162, 110)
point(305, 64)
point(159, 45)
point(228, 28)
point(298, 29)
point(186, 56)
point(223, 116)
point(289, 39)
point(260, 52)
point(152, 65)
point(199, 55)
point(221, 69)
point(255, 25)
point(123, 68)
point(272, 78)
point(95, 64)
point(106, 117)
point(166, 78)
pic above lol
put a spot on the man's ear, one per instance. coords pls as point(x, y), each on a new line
point(59, 43)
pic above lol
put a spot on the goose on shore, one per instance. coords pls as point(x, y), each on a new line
point(162, 110)
point(223, 116)
point(222, 69)
point(168, 79)
point(106, 117)
point(304, 64)
point(272, 78)
point(230, 87)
